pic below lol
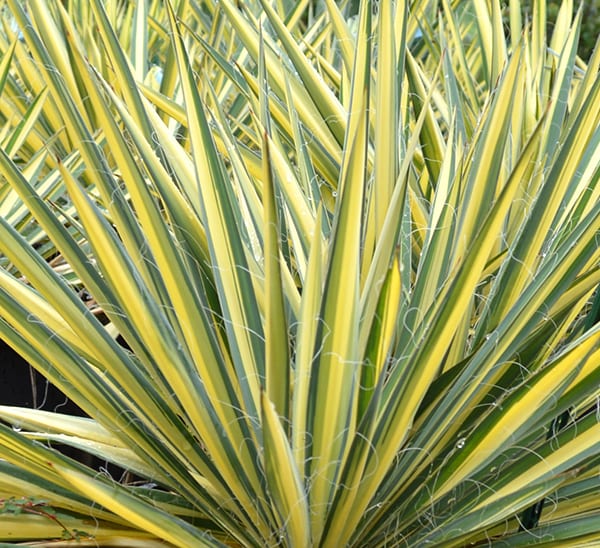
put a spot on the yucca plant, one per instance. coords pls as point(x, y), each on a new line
point(339, 273)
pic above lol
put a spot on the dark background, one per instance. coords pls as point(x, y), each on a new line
point(21, 385)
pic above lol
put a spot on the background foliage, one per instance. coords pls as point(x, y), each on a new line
point(590, 23)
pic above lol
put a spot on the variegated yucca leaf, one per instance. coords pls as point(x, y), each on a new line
point(342, 260)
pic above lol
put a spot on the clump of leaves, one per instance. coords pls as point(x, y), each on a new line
point(341, 271)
